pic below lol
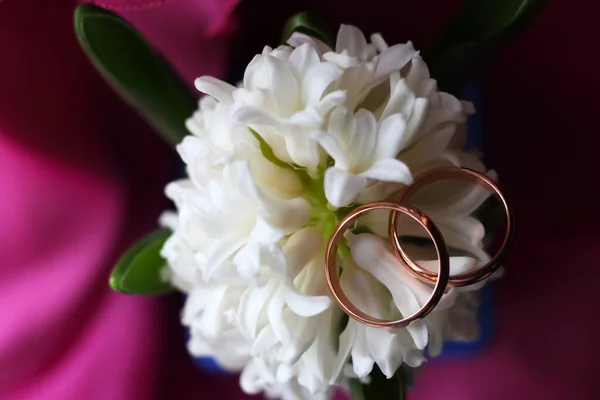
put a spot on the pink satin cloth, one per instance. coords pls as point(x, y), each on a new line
point(81, 178)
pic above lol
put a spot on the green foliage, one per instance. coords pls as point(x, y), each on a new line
point(137, 72)
point(139, 269)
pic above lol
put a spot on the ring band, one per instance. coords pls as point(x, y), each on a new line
point(467, 278)
point(331, 266)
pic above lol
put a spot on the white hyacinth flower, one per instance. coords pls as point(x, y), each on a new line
point(273, 165)
point(363, 150)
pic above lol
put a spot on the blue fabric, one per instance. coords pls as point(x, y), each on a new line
point(474, 92)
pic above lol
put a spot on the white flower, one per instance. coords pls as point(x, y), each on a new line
point(284, 97)
point(362, 150)
point(270, 165)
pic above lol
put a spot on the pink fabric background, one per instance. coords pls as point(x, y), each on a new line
point(81, 177)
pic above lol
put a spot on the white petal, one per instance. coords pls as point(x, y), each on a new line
point(309, 117)
point(344, 60)
point(263, 232)
point(342, 187)
point(389, 170)
point(467, 234)
point(169, 219)
point(379, 191)
point(317, 80)
point(306, 306)
point(255, 115)
point(221, 250)
point(393, 59)
point(331, 100)
point(252, 303)
point(390, 136)
point(429, 147)
point(347, 339)
point(364, 137)
point(216, 88)
point(191, 149)
point(247, 261)
point(361, 359)
point(371, 253)
point(265, 339)
point(466, 205)
point(331, 144)
point(303, 149)
point(455, 232)
point(297, 39)
point(416, 120)
point(302, 59)
point(289, 215)
point(283, 85)
point(402, 100)
point(350, 38)
point(238, 173)
point(417, 74)
point(302, 246)
point(275, 313)
point(272, 256)
point(379, 43)
point(252, 70)
point(384, 349)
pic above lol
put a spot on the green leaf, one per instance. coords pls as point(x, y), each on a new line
point(310, 24)
point(380, 387)
point(135, 70)
point(139, 269)
point(478, 31)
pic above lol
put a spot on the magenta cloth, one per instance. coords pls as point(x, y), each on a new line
point(81, 177)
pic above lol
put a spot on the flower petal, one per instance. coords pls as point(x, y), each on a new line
point(393, 59)
point(289, 215)
point(384, 348)
point(306, 306)
point(389, 170)
point(417, 74)
point(371, 253)
point(363, 138)
point(191, 149)
point(429, 147)
point(302, 246)
point(401, 100)
point(342, 187)
point(264, 232)
point(458, 265)
point(347, 339)
point(247, 261)
point(331, 144)
point(331, 100)
point(216, 88)
point(252, 303)
point(275, 313)
point(317, 80)
point(361, 359)
point(283, 86)
point(298, 39)
point(220, 250)
point(302, 148)
point(302, 59)
point(351, 39)
point(254, 115)
point(390, 136)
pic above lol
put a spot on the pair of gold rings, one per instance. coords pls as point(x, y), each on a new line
point(442, 279)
